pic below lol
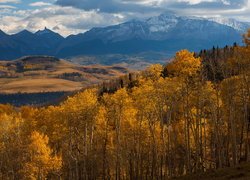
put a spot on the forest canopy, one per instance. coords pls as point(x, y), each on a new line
point(189, 116)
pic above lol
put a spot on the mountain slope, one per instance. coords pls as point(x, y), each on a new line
point(7, 46)
point(240, 26)
point(51, 38)
point(164, 33)
point(26, 43)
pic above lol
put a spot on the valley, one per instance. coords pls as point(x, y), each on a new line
point(139, 61)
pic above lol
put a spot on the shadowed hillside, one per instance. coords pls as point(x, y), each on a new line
point(241, 172)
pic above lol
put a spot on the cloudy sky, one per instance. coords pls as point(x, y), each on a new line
point(76, 16)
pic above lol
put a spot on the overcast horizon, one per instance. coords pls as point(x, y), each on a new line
point(77, 16)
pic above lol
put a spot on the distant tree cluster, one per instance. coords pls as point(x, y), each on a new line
point(171, 121)
point(74, 76)
point(215, 67)
point(37, 99)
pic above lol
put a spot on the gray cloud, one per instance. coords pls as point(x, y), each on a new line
point(216, 4)
point(112, 6)
point(65, 20)
point(77, 16)
point(239, 9)
point(10, 1)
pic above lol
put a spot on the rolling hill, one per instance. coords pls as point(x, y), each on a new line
point(36, 74)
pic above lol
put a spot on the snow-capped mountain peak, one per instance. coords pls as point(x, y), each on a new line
point(240, 26)
point(162, 23)
point(166, 32)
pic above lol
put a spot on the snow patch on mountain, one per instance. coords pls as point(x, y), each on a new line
point(162, 23)
point(240, 26)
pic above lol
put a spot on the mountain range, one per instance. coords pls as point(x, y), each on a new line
point(164, 33)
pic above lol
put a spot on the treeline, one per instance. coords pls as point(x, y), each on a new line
point(213, 62)
point(36, 99)
point(171, 121)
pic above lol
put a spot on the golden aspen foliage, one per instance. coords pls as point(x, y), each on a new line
point(239, 63)
point(12, 143)
point(153, 72)
point(82, 106)
point(146, 101)
point(235, 92)
point(247, 38)
point(6, 109)
point(41, 161)
point(184, 64)
point(85, 99)
point(103, 130)
point(164, 126)
point(51, 121)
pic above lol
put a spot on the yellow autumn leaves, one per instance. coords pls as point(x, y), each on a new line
point(184, 64)
point(167, 125)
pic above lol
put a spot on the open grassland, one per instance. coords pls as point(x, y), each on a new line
point(25, 85)
point(48, 74)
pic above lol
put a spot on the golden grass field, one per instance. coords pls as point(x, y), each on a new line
point(48, 74)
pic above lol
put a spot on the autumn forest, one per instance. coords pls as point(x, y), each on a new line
point(189, 116)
